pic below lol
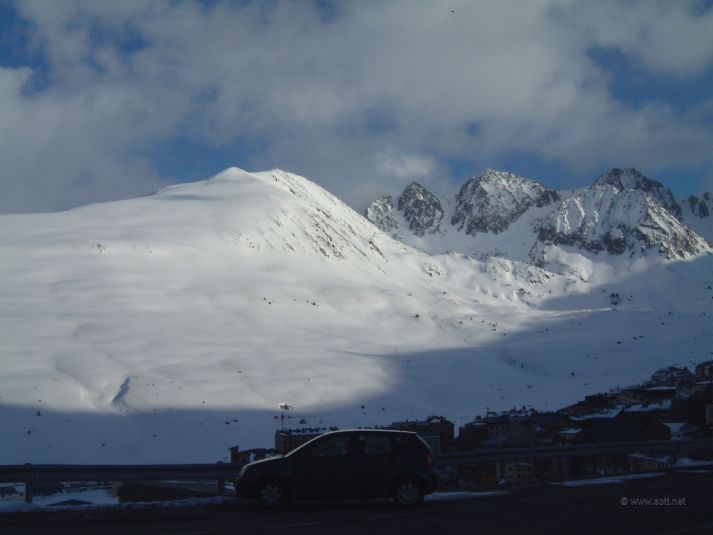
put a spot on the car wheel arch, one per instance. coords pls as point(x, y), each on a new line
point(408, 490)
point(277, 496)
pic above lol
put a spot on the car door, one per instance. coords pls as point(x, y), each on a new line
point(319, 470)
point(370, 463)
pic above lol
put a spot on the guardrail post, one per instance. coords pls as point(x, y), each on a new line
point(221, 483)
point(28, 482)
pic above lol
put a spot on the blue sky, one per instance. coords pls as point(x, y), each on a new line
point(106, 100)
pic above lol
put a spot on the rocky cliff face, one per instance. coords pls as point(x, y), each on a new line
point(630, 179)
point(493, 200)
point(628, 221)
point(421, 209)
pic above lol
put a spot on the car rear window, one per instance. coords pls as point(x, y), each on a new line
point(410, 445)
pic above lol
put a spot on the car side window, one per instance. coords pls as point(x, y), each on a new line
point(374, 445)
point(329, 447)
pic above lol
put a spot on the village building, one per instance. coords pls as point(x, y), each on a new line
point(638, 462)
point(695, 407)
point(243, 457)
point(437, 431)
point(704, 370)
point(472, 435)
point(288, 439)
point(683, 430)
point(672, 376)
point(660, 411)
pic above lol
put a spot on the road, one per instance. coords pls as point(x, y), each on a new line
point(541, 508)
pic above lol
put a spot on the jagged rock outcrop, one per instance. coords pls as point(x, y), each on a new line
point(631, 179)
point(603, 217)
point(502, 214)
point(493, 200)
point(421, 209)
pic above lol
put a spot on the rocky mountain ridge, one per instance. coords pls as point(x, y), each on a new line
point(492, 200)
point(623, 213)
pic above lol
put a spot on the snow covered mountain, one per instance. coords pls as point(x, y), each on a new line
point(170, 327)
point(493, 200)
point(632, 180)
point(629, 221)
point(622, 213)
point(420, 208)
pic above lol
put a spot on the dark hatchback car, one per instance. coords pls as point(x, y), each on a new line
point(344, 465)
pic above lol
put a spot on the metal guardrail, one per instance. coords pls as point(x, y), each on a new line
point(31, 474)
point(139, 472)
point(220, 472)
point(574, 450)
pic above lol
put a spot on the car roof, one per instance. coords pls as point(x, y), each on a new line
point(370, 431)
point(353, 432)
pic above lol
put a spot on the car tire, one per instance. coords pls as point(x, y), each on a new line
point(272, 494)
point(408, 492)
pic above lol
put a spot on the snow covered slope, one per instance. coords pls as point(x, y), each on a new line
point(631, 179)
point(169, 328)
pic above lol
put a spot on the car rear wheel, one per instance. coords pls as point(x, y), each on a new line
point(272, 494)
point(408, 493)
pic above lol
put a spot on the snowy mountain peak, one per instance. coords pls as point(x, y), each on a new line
point(631, 221)
point(271, 213)
point(632, 179)
point(501, 214)
point(493, 200)
point(421, 209)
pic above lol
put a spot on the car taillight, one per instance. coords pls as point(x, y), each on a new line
point(429, 460)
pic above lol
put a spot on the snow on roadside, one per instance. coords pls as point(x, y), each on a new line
point(685, 462)
point(100, 497)
point(606, 480)
point(103, 499)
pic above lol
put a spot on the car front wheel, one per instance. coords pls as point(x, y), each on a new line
point(272, 494)
point(408, 493)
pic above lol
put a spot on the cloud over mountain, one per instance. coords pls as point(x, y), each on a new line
point(110, 99)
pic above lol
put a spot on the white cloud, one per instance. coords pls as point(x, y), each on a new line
point(307, 87)
point(404, 166)
point(669, 38)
